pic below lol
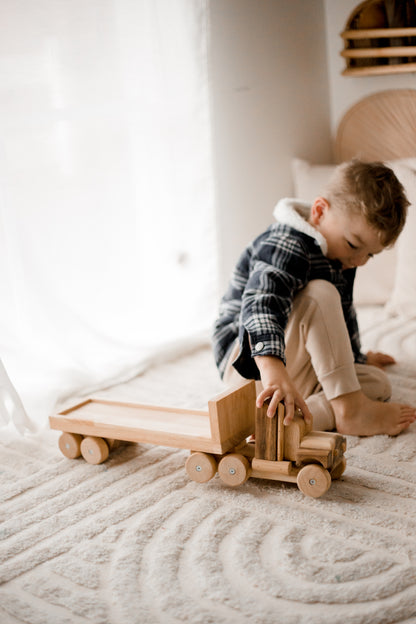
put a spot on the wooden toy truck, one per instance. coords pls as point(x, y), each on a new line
point(216, 439)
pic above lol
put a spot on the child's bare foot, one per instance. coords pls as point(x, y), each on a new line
point(356, 414)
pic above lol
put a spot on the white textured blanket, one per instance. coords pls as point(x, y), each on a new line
point(133, 541)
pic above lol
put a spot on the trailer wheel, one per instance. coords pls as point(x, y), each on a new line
point(70, 445)
point(94, 450)
point(339, 469)
point(313, 480)
point(201, 467)
point(234, 469)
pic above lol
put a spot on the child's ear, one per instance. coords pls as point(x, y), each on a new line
point(318, 209)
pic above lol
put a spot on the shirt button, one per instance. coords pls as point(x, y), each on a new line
point(259, 346)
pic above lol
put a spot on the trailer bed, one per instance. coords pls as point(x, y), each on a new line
point(215, 431)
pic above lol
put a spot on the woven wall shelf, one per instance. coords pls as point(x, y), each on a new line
point(371, 48)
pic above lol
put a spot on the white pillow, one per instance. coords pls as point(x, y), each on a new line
point(402, 301)
point(375, 282)
point(309, 180)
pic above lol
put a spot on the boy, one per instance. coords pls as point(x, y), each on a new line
point(288, 319)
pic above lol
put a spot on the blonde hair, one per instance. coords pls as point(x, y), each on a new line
point(372, 190)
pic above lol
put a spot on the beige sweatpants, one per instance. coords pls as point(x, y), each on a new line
point(319, 357)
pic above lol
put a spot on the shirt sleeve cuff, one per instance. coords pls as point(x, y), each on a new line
point(266, 345)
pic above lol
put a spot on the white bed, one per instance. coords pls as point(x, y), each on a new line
point(134, 541)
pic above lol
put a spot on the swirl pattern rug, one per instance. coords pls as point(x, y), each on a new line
point(134, 541)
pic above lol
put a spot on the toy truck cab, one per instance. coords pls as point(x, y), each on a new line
point(303, 446)
point(293, 453)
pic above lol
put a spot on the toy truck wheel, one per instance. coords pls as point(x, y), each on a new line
point(94, 450)
point(112, 444)
point(234, 469)
point(313, 480)
point(339, 469)
point(70, 445)
point(201, 467)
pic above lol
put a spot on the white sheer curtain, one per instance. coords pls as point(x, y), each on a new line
point(107, 237)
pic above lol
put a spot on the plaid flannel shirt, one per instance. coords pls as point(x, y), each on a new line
point(258, 302)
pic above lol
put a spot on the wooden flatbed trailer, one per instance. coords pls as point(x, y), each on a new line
point(216, 439)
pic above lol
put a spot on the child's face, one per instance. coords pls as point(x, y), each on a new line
point(350, 238)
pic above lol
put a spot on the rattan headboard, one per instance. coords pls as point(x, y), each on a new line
point(381, 126)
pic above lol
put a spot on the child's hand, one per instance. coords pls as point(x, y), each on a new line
point(379, 359)
point(278, 387)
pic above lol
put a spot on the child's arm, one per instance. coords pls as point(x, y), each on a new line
point(278, 386)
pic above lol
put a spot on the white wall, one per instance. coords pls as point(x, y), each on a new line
point(270, 103)
point(344, 91)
